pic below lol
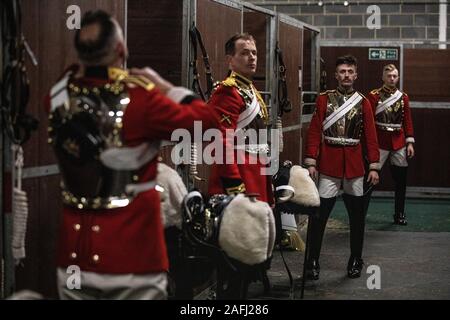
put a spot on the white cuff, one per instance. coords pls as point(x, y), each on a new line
point(177, 94)
point(375, 166)
point(310, 162)
point(410, 140)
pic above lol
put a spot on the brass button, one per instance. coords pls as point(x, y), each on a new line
point(96, 228)
point(73, 255)
point(95, 257)
point(77, 227)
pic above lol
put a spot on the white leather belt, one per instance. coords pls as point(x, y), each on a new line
point(136, 188)
point(342, 141)
point(254, 148)
point(389, 126)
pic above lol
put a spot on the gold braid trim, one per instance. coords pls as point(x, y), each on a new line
point(327, 92)
point(121, 75)
point(240, 82)
point(140, 81)
point(262, 104)
point(375, 91)
point(229, 82)
point(238, 189)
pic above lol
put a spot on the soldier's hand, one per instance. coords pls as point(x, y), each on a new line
point(373, 177)
point(162, 84)
point(410, 150)
point(313, 173)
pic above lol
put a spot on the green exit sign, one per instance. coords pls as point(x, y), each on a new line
point(383, 54)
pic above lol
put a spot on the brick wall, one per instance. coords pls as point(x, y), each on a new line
point(414, 23)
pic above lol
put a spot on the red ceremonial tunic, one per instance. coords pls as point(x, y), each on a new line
point(229, 103)
point(130, 239)
point(393, 140)
point(338, 160)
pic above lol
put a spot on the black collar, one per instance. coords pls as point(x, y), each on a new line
point(389, 90)
point(345, 93)
point(96, 72)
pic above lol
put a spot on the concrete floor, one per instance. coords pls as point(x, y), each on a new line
point(413, 265)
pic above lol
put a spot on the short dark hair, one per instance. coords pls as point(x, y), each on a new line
point(347, 59)
point(93, 51)
point(230, 45)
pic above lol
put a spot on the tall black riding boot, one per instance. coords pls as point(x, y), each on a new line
point(368, 189)
point(318, 224)
point(399, 175)
point(357, 217)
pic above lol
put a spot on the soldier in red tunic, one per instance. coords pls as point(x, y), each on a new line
point(395, 133)
point(242, 111)
point(343, 117)
point(105, 125)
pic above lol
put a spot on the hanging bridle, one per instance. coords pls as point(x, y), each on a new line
point(284, 105)
point(15, 87)
point(196, 40)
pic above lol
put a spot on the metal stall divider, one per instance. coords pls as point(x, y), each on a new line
point(291, 39)
point(266, 79)
point(262, 24)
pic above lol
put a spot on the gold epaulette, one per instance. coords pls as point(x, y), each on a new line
point(117, 74)
point(140, 81)
point(238, 81)
point(375, 91)
point(327, 92)
point(121, 75)
point(229, 82)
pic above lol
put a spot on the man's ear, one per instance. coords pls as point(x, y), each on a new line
point(228, 58)
point(336, 75)
point(121, 50)
point(356, 75)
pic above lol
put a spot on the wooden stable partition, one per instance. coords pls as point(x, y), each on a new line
point(299, 44)
point(217, 21)
point(427, 74)
point(290, 36)
point(255, 23)
point(155, 37)
point(310, 80)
